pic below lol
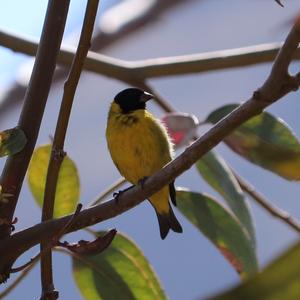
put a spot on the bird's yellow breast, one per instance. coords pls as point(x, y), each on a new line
point(138, 143)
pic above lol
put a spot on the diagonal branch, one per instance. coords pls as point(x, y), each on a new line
point(34, 105)
point(15, 245)
point(269, 207)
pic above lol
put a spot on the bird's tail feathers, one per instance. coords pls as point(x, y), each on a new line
point(168, 221)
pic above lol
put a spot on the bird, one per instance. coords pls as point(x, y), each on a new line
point(139, 146)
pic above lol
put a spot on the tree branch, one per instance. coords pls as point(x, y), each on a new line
point(34, 105)
point(271, 208)
point(159, 100)
point(209, 61)
point(157, 67)
point(57, 153)
point(15, 245)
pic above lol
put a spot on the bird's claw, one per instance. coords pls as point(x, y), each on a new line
point(116, 195)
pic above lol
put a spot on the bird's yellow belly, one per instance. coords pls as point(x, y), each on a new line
point(139, 146)
point(136, 152)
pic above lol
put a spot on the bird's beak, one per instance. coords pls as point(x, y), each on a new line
point(146, 96)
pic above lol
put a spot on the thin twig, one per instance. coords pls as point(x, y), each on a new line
point(11, 287)
point(57, 154)
point(51, 244)
point(271, 208)
point(160, 101)
point(279, 2)
point(27, 238)
point(34, 105)
point(108, 191)
point(25, 265)
point(68, 224)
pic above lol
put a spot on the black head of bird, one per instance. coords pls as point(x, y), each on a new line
point(132, 99)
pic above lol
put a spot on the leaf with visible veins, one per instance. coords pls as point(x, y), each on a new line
point(120, 272)
point(264, 140)
point(222, 228)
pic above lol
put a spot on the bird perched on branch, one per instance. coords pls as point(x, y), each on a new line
point(139, 146)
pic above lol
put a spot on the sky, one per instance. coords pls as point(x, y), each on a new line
point(26, 18)
point(199, 27)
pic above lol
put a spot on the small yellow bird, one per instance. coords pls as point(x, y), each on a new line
point(139, 146)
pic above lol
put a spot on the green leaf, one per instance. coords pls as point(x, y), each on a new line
point(221, 228)
point(264, 140)
point(12, 141)
point(278, 281)
point(120, 272)
point(219, 176)
point(68, 187)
